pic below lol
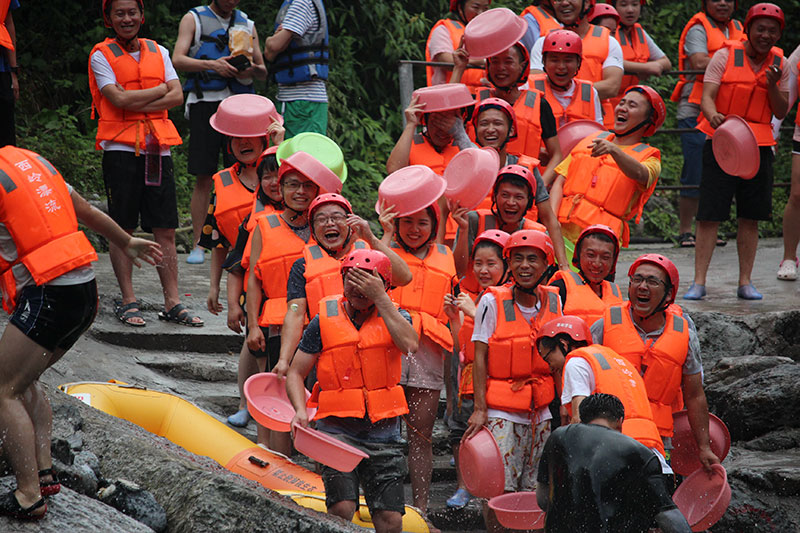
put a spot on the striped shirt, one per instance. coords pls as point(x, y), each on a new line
point(301, 18)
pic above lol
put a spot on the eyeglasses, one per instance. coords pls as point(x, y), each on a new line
point(321, 220)
point(292, 185)
point(651, 281)
point(547, 355)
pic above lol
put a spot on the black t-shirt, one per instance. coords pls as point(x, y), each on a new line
point(547, 120)
point(602, 482)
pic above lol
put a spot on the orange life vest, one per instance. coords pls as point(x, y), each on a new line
point(615, 375)
point(233, 202)
point(715, 40)
point(5, 36)
point(744, 92)
point(518, 379)
point(472, 76)
point(487, 220)
point(597, 192)
point(358, 370)
point(423, 153)
point(467, 347)
point(595, 51)
point(259, 209)
point(634, 49)
point(121, 125)
point(37, 210)
point(323, 274)
point(280, 248)
point(660, 363)
point(547, 22)
point(527, 109)
point(423, 298)
point(582, 300)
point(581, 106)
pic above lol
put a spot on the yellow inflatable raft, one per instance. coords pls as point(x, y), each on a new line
point(191, 428)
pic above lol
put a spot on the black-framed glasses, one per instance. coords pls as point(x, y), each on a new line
point(651, 281)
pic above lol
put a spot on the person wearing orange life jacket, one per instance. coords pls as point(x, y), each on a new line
point(703, 35)
point(316, 275)
point(489, 268)
point(602, 62)
point(749, 80)
point(411, 237)
point(49, 289)
point(133, 84)
point(9, 68)
point(512, 384)
point(662, 344)
point(604, 15)
point(445, 37)
point(608, 177)
point(581, 369)
point(541, 20)
point(570, 98)
point(516, 191)
point(589, 291)
point(507, 72)
point(356, 341)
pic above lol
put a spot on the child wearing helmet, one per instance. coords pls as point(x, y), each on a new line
point(661, 343)
point(756, 98)
point(589, 291)
point(489, 269)
point(608, 177)
point(356, 341)
point(444, 38)
point(415, 216)
point(512, 384)
point(605, 15)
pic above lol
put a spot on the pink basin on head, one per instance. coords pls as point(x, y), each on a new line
point(518, 510)
point(481, 465)
point(493, 31)
point(470, 176)
point(703, 498)
point(444, 97)
point(684, 454)
point(245, 115)
point(410, 189)
point(327, 450)
point(571, 133)
point(735, 148)
point(268, 402)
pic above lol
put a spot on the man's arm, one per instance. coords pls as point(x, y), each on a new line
point(672, 521)
point(257, 69)
point(180, 54)
point(694, 397)
point(401, 152)
point(708, 104)
point(173, 98)
point(550, 221)
point(277, 43)
point(301, 366)
point(609, 86)
point(480, 414)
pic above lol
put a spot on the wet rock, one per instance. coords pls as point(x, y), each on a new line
point(749, 513)
point(177, 367)
point(783, 439)
point(62, 451)
point(729, 369)
point(89, 459)
point(79, 477)
point(129, 498)
point(758, 403)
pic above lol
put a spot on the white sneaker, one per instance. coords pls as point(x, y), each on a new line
point(788, 270)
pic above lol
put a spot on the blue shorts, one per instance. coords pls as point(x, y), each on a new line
point(692, 147)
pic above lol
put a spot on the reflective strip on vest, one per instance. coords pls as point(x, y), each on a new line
point(738, 57)
point(575, 277)
point(508, 310)
point(616, 315)
point(539, 85)
point(359, 245)
point(530, 99)
point(331, 308)
point(226, 177)
point(601, 360)
point(115, 49)
point(586, 92)
point(316, 252)
point(418, 138)
point(553, 299)
point(597, 31)
point(484, 94)
point(677, 324)
point(273, 221)
point(6, 182)
point(614, 289)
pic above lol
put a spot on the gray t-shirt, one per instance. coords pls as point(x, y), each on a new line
point(696, 43)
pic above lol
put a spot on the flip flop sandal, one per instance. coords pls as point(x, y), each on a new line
point(126, 312)
point(49, 488)
point(9, 506)
point(721, 241)
point(686, 240)
point(180, 315)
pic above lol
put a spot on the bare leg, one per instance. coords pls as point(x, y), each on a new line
point(274, 440)
point(199, 205)
point(704, 249)
point(746, 246)
point(344, 509)
point(247, 367)
point(123, 270)
point(791, 215)
point(168, 269)
point(687, 210)
point(387, 522)
point(422, 406)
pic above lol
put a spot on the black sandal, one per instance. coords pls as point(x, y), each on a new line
point(9, 506)
point(49, 488)
point(686, 240)
point(180, 315)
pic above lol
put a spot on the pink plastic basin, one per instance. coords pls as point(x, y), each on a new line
point(481, 465)
point(470, 176)
point(268, 402)
point(518, 510)
point(570, 134)
point(493, 31)
point(703, 498)
point(410, 189)
point(327, 450)
point(735, 148)
point(444, 97)
point(245, 115)
point(684, 454)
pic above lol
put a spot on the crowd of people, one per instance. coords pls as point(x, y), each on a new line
point(482, 301)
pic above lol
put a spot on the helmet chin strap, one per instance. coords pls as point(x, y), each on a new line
point(546, 274)
point(333, 251)
point(126, 42)
point(661, 306)
point(639, 126)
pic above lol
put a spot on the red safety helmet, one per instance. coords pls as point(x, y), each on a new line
point(566, 41)
point(329, 198)
point(572, 325)
point(659, 113)
point(534, 239)
point(614, 2)
point(496, 236)
point(520, 172)
point(765, 10)
point(668, 267)
point(526, 64)
point(603, 10)
point(454, 5)
point(107, 19)
point(272, 150)
point(502, 105)
point(372, 260)
point(593, 230)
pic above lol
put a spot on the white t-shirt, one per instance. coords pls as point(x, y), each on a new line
point(485, 324)
point(614, 58)
point(104, 75)
point(439, 43)
point(792, 86)
point(565, 98)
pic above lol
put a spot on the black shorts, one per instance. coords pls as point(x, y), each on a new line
point(128, 196)
point(206, 143)
point(273, 351)
point(381, 476)
point(55, 316)
point(718, 189)
point(796, 147)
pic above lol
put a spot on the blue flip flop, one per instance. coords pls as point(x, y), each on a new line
point(695, 292)
point(748, 292)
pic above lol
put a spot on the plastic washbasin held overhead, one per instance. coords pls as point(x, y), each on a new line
point(444, 97)
point(470, 176)
point(410, 189)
